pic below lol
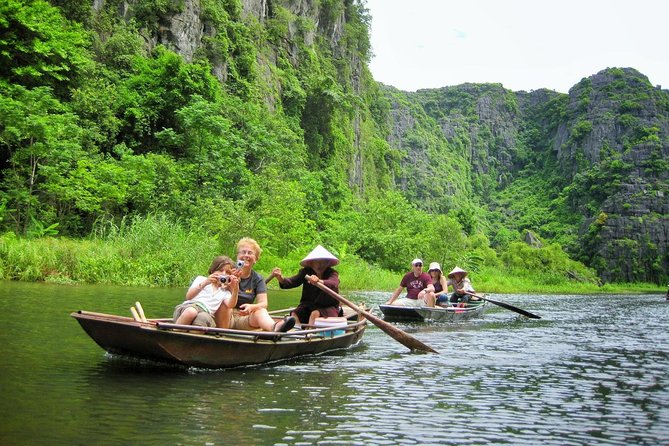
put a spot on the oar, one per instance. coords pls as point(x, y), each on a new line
point(394, 332)
point(505, 305)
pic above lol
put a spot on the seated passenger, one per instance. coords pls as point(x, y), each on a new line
point(250, 311)
point(206, 294)
point(440, 284)
point(420, 291)
point(457, 278)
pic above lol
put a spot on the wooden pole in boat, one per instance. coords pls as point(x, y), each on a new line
point(135, 316)
point(505, 305)
point(403, 338)
point(140, 310)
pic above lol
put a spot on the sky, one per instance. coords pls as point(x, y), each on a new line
point(522, 44)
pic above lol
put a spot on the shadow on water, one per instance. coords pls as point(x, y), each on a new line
point(591, 371)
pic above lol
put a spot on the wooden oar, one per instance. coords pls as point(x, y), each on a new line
point(281, 311)
point(505, 305)
point(394, 332)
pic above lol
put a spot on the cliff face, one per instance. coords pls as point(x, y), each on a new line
point(604, 146)
point(601, 149)
point(628, 140)
point(308, 56)
point(185, 29)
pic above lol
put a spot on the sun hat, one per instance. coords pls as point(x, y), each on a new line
point(320, 253)
point(414, 261)
point(457, 270)
point(434, 266)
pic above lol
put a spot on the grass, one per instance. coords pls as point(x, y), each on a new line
point(158, 253)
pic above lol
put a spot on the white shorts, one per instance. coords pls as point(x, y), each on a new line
point(406, 302)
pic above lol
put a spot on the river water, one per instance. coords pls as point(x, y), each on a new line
point(592, 371)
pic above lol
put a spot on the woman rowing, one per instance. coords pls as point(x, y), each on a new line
point(314, 303)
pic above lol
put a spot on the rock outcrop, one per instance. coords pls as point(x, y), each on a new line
point(608, 139)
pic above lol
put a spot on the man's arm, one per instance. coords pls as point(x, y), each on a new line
point(395, 294)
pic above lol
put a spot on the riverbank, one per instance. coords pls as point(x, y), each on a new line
point(173, 261)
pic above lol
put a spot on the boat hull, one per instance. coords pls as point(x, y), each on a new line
point(210, 347)
point(438, 314)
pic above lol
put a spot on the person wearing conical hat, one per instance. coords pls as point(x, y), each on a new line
point(420, 290)
point(314, 302)
point(457, 278)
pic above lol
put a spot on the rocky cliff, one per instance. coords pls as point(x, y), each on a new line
point(587, 169)
point(617, 131)
point(188, 27)
point(603, 146)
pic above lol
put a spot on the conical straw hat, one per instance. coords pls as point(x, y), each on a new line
point(320, 253)
point(456, 270)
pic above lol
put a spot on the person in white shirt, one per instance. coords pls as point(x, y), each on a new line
point(206, 294)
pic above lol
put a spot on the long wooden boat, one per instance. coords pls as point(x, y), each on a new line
point(204, 347)
point(474, 308)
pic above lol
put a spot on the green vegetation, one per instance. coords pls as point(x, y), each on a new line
point(155, 251)
point(122, 161)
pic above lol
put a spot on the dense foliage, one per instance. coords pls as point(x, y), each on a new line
point(585, 170)
point(269, 128)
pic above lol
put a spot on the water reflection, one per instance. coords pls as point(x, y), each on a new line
point(590, 372)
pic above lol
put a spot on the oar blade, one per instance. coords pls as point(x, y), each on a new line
point(512, 308)
point(507, 306)
point(400, 336)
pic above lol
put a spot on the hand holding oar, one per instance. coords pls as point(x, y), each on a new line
point(394, 332)
point(505, 305)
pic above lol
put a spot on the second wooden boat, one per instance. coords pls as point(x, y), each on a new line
point(474, 309)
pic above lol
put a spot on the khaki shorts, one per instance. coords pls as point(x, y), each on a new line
point(203, 319)
point(238, 322)
point(406, 302)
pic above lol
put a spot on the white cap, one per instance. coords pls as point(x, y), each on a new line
point(434, 266)
point(320, 253)
point(414, 261)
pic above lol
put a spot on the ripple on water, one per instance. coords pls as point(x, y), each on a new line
point(591, 371)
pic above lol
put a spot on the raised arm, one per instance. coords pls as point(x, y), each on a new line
point(198, 286)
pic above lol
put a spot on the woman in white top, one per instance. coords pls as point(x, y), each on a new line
point(206, 294)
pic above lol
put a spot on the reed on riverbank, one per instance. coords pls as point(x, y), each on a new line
point(161, 253)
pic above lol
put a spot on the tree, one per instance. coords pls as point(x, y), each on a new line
point(39, 47)
point(41, 141)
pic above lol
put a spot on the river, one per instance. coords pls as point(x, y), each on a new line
point(592, 371)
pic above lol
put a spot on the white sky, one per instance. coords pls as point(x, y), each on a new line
point(522, 44)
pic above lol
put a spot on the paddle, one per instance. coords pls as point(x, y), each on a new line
point(505, 305)
point(394, 332)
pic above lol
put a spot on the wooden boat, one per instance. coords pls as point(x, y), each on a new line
point(474, 308)
point(163, 341)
